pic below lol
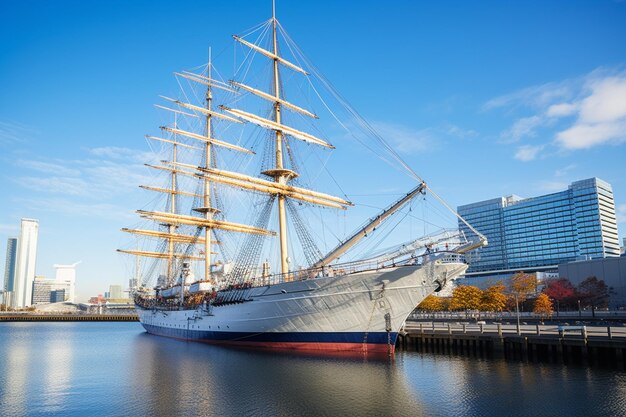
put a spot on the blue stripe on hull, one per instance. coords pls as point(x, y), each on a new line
point(273, 337)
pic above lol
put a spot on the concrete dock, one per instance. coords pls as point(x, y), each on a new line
point(68, 317)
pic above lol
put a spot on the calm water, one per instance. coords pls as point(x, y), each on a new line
point(115, 369)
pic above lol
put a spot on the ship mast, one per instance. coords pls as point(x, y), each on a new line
point(208, 210)
point(281, 176)
point(170, 226)
point(171, 218)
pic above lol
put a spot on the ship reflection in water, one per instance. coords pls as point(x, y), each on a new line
point(185, 378)
point(116, 369)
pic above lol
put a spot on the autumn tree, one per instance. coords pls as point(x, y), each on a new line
point(522, 285)
point(561, 291)
point(593, 292)
point(493, 298)
point(431, 303)
point(466, 297)
point(543, 305)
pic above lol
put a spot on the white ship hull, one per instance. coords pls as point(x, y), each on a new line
point(354, 312)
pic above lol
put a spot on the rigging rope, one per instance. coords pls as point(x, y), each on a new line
point(250, 251)
point(310, 249)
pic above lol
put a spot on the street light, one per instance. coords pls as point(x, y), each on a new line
point(580, 313)
point(517, 311)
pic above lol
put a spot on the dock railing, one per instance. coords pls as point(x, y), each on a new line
point(482, 328)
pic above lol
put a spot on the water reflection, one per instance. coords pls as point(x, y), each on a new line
point(58, 369)
point(115, 369)
point(178, 377)
point(15, 360)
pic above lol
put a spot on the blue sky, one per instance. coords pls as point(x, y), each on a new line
point(482, 99)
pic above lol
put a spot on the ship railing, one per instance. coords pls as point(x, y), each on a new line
point(237, 291)
point(336, 270)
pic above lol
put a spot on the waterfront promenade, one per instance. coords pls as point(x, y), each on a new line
point(556, 342)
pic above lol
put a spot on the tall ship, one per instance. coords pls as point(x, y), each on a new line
point(226, 253)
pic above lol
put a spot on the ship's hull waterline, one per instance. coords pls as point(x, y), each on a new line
point(360, 312)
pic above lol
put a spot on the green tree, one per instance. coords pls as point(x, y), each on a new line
point(466, 297)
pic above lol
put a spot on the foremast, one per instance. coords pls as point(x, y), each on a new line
point(172, 219)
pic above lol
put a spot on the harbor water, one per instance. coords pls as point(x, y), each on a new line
point(116, 369)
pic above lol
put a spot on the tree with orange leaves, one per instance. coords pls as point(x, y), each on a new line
point(543, 306)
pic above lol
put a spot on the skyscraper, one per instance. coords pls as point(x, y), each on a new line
point(66, 278)
point(25, 262)
point(9, 270)
point(541, 232)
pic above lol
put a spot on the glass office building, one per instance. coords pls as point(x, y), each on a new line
point(9, 270)
point(539, 233)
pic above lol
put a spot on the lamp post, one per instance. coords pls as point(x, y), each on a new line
point(580, 313)
point(517, 312)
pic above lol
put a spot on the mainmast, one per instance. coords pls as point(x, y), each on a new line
point(170, 226)
point(281, 176)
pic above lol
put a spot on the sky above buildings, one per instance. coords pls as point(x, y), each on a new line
point(483, 99)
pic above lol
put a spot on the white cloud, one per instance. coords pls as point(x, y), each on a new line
point(91, 185)
point(596, 104)
point(562, 110)
point(459, 132)
point(553, 186)
point(405, 140)
point(522, 128)
point(12, 132)
point(48, 167)
point(118, 153)
point(564, 171)
point(536, 96)
point(601, 116)
point(79, 208)
point(107, 177)
point(55, 185)
point(607, 103)
point(583, 136)
point(528, 153)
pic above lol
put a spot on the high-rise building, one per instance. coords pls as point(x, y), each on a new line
point(115, 292)
point(25, 263)
point(42, 290)
point(9, 271)
point(66, 278)
point(539, 233)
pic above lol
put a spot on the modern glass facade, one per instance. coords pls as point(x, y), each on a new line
point(527, 233)
point(9, 269)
